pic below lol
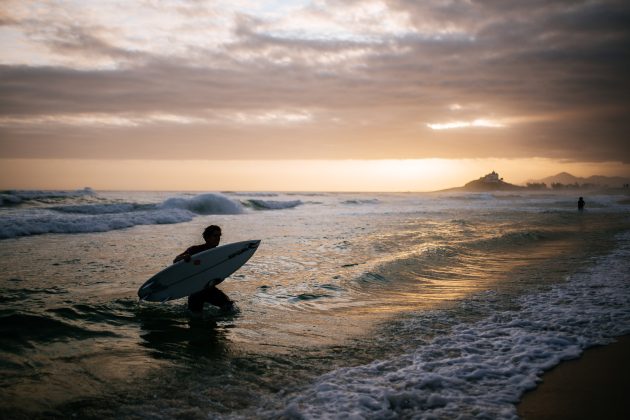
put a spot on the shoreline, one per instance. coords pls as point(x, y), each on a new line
point(595, 385)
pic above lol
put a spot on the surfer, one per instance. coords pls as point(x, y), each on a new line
point(212, 295)
point(581, 204)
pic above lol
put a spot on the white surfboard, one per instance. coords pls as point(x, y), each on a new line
point(185, 278)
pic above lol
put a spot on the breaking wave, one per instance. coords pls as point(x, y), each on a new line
point(40, 222)
point(361, 201)
point(103, 217)
point(15, 197)
point(271, 204)
point(77, 211)
point(204, 204)
point(481, 369)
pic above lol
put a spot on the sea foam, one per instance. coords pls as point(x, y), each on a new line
point(41, 222)
point(481, 369)
point(103, 217)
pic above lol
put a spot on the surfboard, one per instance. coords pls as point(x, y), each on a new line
point(185, 278)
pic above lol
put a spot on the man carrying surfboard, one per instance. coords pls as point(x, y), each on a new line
point(210, 294)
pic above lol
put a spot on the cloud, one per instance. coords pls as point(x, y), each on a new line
point(327, 79)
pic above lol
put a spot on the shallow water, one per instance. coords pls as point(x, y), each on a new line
point(375, 305)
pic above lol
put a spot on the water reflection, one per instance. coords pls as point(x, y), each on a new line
point(175, 336)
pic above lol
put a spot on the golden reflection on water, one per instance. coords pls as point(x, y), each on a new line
point(316, 281)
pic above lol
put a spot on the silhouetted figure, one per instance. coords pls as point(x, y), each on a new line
point(212, 295)
point(581, 204)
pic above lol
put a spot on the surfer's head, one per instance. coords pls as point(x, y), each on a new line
point(212, 235)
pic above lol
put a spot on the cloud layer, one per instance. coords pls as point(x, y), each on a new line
point(315, 79)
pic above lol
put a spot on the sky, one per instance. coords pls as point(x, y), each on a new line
point(388, 95)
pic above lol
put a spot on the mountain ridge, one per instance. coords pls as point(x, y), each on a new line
point(562, 180)
point(595, 180)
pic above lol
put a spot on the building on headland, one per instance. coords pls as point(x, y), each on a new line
point(491, 178)
point(490, 182)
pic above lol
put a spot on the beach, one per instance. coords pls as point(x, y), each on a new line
point(596, 385)
point(371, 305)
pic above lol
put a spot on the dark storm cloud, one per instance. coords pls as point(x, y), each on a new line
point(561, 67)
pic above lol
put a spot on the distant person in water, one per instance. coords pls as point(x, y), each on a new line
point(212, 295)
point(581, 204)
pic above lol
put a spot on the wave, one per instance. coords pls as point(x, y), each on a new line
point(479, 369)
point(204, 204)
point(446, 263)
point(103, 217)
point(516, 238)
point(15, 197)
point(361, 201)
point(42, 222)
point(103, 208)
point(471, 196)
point(24, 328)
point(271, 205)
point(305, 297)
point(253, 194)
point(7, 199)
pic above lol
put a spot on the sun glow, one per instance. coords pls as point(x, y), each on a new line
point(278, 175)
point(480, 122)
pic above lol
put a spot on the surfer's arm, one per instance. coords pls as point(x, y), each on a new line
point(186, 255)
point(183, 256)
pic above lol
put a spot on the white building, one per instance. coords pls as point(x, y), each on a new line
point(491, 178)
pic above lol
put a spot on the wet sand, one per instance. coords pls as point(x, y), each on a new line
point(597, 385)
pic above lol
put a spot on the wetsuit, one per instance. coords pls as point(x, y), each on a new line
point(210, 294)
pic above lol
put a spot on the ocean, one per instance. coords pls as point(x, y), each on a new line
point(364, 305)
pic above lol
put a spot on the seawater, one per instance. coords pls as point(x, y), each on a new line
point(355, 305)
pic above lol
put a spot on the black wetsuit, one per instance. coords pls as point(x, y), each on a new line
point(210, 294)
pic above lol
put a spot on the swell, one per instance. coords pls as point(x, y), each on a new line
point(87, 216)
point(436, 268)
point(16, 197)
point(481, 367)
point(40, 222)
point(257, 204)
point(20, 330)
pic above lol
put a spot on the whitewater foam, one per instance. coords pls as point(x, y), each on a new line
point(103, 217)
point(40, 222)
point(13, 197)
point(481, 369)
point(102, 208)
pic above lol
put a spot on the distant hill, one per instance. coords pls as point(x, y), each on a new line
point(595, 180)
point(561, 181)
point(489, 182)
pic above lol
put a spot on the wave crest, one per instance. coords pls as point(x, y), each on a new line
point(271, 204)
point(204, 204)
point(15, 197)
point(38, 223)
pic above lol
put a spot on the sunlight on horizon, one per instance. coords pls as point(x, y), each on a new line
point(280, 175)
point(480, 122)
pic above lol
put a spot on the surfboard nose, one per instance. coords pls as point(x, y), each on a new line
point(254, 244)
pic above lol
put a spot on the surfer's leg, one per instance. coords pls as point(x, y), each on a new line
point(216, 297)
point(195, 302)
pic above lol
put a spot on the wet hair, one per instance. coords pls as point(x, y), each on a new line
point(210, 230)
